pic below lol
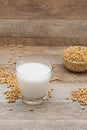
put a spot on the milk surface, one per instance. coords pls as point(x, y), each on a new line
point(33, 79)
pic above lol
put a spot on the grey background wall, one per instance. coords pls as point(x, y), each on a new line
point(43, 22)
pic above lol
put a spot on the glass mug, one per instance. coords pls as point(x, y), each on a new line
point(33, 76)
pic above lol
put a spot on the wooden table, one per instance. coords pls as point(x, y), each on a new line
point(57, 113)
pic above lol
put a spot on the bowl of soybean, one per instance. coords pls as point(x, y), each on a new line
point(75, 58)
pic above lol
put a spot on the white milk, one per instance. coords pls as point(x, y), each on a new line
point(33, 79)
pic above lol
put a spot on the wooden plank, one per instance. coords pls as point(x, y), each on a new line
point(68, 76)
point(44, 41)
point(46, 50)
point(39, 9)
point(61, 91)
point(43, 125)
point(46, 111)
point(43, 28)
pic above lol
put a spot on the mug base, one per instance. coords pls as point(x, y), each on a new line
point(37, 101)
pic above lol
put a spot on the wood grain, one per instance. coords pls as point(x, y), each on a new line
point(43, 28)
point(39, 9)
point(46, 41)
point(37, 22)
point(48, 111)
point(43, 125)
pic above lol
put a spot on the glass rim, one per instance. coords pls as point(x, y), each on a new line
point(38, 61)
